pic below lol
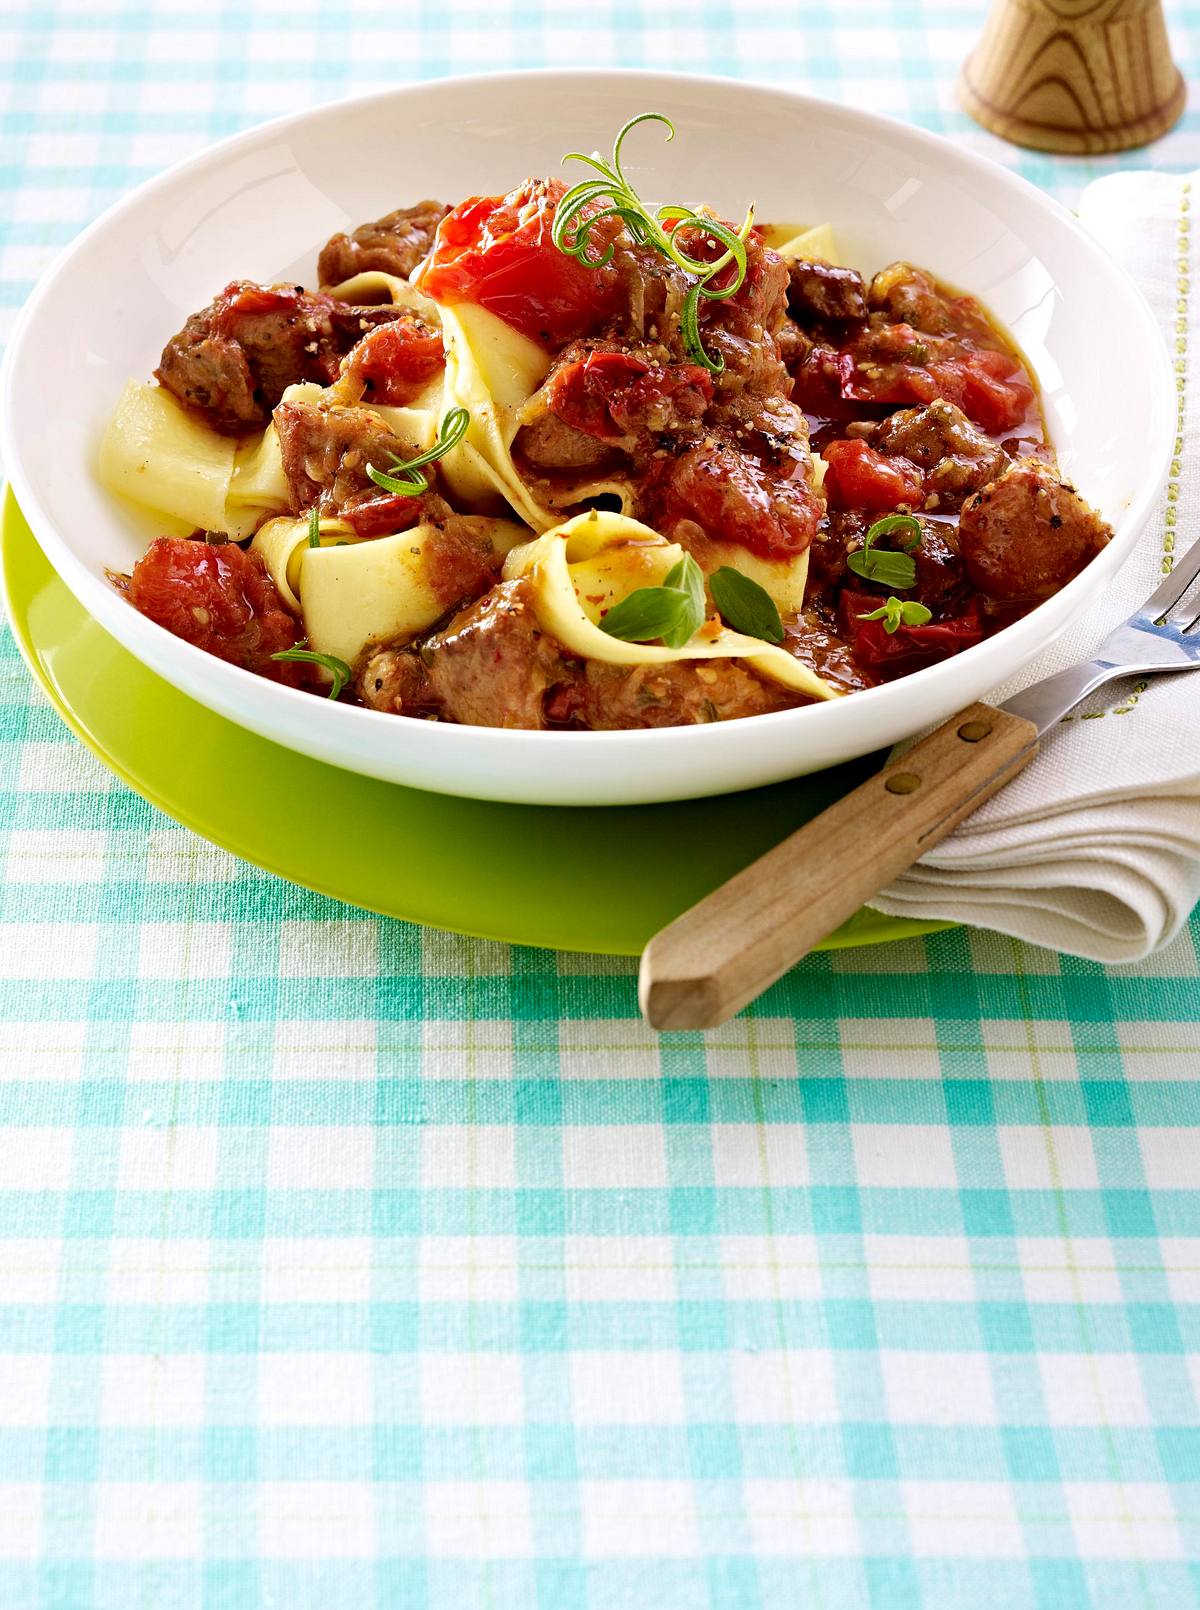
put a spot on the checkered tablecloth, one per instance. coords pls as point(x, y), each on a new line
point(348, 1265)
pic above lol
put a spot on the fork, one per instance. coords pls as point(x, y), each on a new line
point(724, 951)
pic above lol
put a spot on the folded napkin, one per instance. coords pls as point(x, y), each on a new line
point(1095, 847)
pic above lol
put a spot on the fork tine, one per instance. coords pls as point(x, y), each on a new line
point(1162, 602)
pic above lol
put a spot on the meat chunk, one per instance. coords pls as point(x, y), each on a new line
point(910, 296)
point(394, 244)
point(326, 451)
point(942, 583)
point(1024, 536)
point(794, 346)
point(822, 292)
point(941, 579)
point(551, 444)
point(395, 681)
point(235, 358)
point(742, 332)
point(616, 398)
point(957, 458)
point(491, 667)
point(682, 693)
point(461, 561)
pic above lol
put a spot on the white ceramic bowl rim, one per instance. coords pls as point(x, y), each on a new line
point(494, 745)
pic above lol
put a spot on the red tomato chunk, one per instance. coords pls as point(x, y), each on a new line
point(221, 599)
point(736, 498)
point(383, 516)
point(890, 654)
point(610, 394)
point(857, 477)
point(243, 299)
point(397, 360)
point(497, 251)
point(990, 387)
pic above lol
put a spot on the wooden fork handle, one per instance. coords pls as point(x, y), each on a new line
point(728, 948)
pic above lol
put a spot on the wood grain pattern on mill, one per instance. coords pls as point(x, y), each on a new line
point(1080, 76)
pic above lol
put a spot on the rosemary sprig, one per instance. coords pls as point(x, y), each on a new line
point(338, 669)
point(407, 481)
point(577, 215)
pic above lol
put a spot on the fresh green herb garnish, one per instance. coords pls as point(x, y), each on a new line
point(574, 222)
point(884, 565)
point(897, 612)
point(673, 612)
point(408, 482)
point(648, 613)
point(314, 527)
point(745, 605)
point(891, 523)
point(688, 577)
point(338, 669)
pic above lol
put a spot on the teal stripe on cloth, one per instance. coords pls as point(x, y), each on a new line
point(346, 1264)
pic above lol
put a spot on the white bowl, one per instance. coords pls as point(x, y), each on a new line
point(261, 204)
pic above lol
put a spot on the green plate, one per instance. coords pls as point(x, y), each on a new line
point(568, 879)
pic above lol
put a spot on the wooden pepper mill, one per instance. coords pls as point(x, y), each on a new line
point(1080, 76)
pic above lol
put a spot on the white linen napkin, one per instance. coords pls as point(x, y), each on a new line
point(1095, 847)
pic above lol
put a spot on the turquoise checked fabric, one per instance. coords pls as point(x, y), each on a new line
point(346, 1265)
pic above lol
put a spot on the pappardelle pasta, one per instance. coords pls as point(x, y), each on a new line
point(563, 459)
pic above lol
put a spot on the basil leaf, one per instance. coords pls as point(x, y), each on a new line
point(745, 605)
point(892, 523)
point(338, 669)
point(314, 527)
point(882, 565)
point(896, 612)
point(647, 614)
point(914, 614)
point(888, 613)
point(688, 577)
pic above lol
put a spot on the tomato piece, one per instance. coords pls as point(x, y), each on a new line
point(990, 387)
point(243, 299)
point(891, 654)
point(397, 360)
point(383, 516)
point(734, 498)
point(221, 599)
point(857, 477)
point(609, 394)
point(821, 384)
point(498, 252)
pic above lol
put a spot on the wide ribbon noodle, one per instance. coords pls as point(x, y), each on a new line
point(816, 242)
point(352, 592)
point(160, 456)
point(373, 287)
point(492, 371)
point(584, 567)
